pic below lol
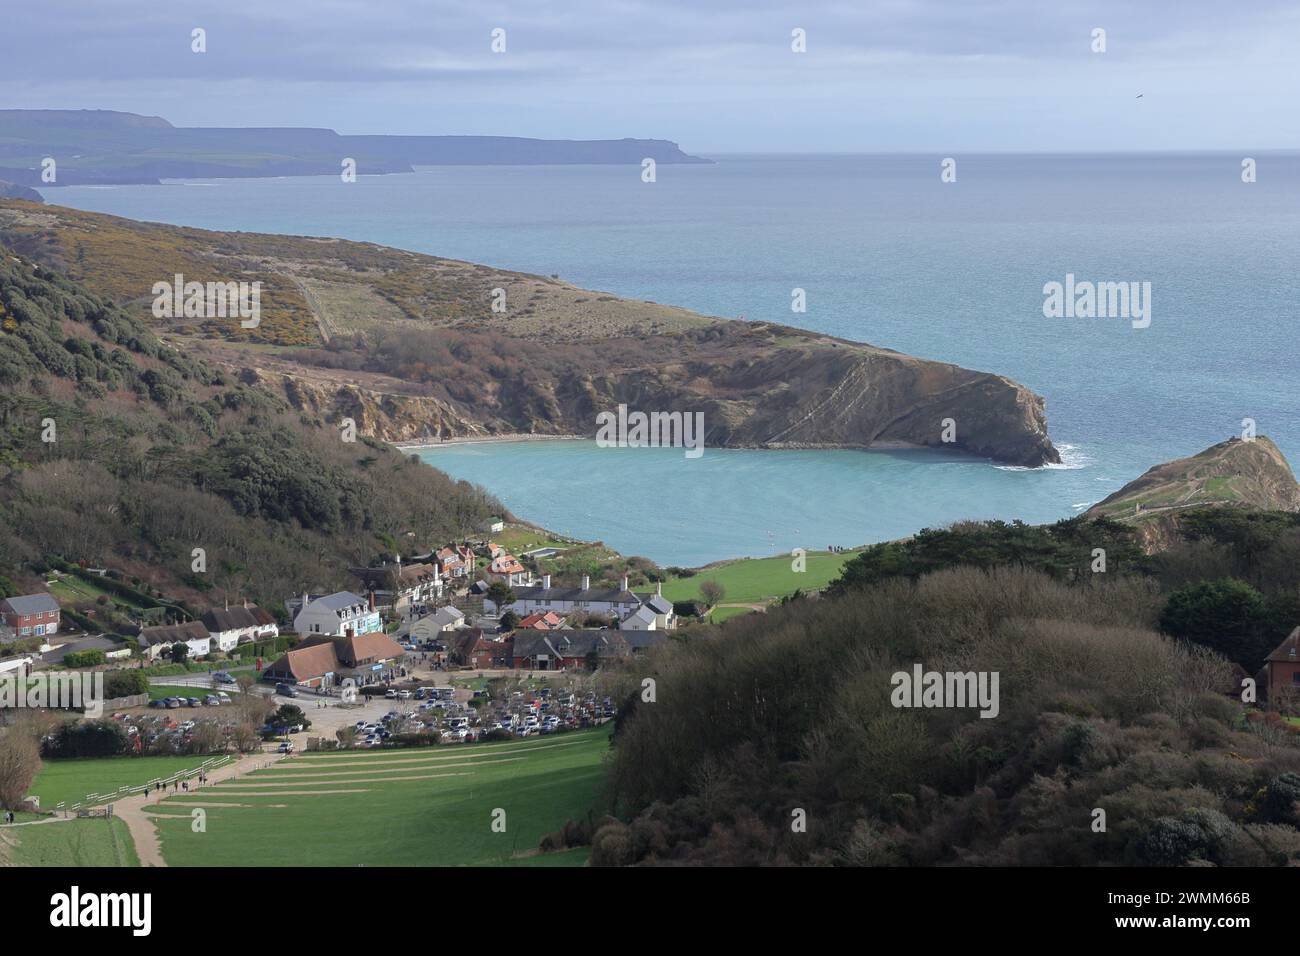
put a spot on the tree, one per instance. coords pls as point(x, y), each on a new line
point(20, 761)
point(1227, 616)
point(712, 592)
point(499, 593)
point(290, 714)
point(509, 621)
point(179, 652)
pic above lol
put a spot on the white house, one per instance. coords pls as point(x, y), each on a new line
point(618, 603)
point(337, 614)
point(440, 622)
point(157, 641)
point(642, 619)
point(233, 626)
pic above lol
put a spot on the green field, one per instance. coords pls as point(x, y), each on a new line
point(76, 842)
point(758, 580)
point(720, 614)
point(69, 781)
point(417, 807)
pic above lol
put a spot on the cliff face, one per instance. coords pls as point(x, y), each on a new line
point(410, 348)
point(10, 190)
point(1233, 473)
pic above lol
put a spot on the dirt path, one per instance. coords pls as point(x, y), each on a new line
point(143, 832)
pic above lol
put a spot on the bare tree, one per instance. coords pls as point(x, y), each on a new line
point(712, 592)
point(20, 761)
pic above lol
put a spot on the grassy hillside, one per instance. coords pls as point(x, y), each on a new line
point(424, 347)
point(425, 807)
point(119, 450)
point(68, 843)
point(760, 580)
point(1235, 472)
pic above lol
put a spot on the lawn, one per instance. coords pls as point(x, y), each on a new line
point(518, 540)
point(71, 589)
point(70, 780)
point(78, 842)
point(408, 807)
point(758, 580)
point(720, 614)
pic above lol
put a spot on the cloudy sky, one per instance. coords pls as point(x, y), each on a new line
point(713, 75)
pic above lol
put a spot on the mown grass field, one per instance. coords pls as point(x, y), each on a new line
point(417, 807)
point(758, 580)
point(70, 780)
point(78, 842)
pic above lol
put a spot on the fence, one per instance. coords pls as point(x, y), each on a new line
point(97, 798)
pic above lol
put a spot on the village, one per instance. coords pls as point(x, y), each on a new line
point(408, 630)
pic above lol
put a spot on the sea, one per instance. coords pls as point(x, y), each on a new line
point(885, 251)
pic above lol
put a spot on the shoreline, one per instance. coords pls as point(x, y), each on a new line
point(414, 445)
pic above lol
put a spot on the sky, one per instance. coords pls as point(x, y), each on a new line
point(715, 76)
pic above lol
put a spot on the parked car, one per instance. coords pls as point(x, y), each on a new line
point(286, 690)
point(285, 748)
point(173, 703)
point(221, 677)
point(223, 697)
point(158, 703)
point(390, 694)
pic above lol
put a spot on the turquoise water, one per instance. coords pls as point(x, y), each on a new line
point(656, 503)
point(889, 255)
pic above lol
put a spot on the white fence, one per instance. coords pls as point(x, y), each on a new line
point(97, 798)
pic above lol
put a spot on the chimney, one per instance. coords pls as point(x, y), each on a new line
point(372, 599)
point(304, 601)
point(546, 581)
point(348, 632)
point(659, 588)
point(625, 582)
point(586, 582)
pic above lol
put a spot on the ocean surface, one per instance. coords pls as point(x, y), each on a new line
point(887, 254)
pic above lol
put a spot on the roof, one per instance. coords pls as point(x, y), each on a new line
point(361, 648)
point(56, 655)
point(446, 615)
point(409, 575)
point(540, 621)
point(570, 643)
point(173, 633)
point(1288, 651)
point(550, 595)
point(231, 619)
point(644, 614)
point(32, 603)
point(338, 601)
point(306, 662)
point(659, 604)
point(507, 564)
